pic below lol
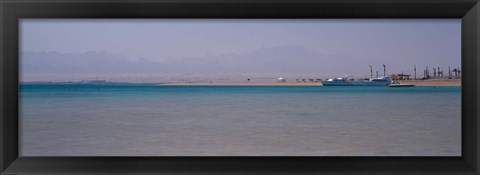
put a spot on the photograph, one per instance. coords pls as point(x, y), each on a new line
point(240, 87)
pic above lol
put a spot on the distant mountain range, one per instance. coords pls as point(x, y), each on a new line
point(291, 60)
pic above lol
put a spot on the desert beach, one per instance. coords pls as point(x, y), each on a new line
point(244, 84)
point(431, 82)
point(240, 87)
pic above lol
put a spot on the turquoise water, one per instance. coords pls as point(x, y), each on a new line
point(144, 120)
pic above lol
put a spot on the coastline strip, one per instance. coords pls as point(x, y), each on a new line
point(446, 82)
point(244, 84)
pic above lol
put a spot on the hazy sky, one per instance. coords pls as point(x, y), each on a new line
point(377, 41)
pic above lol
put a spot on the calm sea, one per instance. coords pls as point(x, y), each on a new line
point(142, 120)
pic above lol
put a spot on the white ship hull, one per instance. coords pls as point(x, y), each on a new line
point(369, 83)
point(326, 83)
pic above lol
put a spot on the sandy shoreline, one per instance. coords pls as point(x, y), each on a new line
point(446, 82)
point(245, 84)
point(415, 82)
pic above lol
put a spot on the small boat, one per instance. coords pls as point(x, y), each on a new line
point(342, 81)
point(397, 84)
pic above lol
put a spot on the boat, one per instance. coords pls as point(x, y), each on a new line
point(397, 84)
point(342, 81)
point(380, 81)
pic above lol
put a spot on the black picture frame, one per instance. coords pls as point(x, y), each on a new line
point(13, 10)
